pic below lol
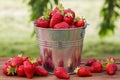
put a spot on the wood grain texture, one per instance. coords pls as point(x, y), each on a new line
point(96, 76)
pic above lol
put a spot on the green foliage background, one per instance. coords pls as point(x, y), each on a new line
point(109, 13)
point(39, 6)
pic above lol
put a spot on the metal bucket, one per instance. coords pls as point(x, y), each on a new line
point(60, 47)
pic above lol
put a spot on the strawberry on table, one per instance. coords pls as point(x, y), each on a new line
point(90, 62)
point(17, 61)
point(62, 25)
point(9, 70)
point(8, 62)
point(68, 18)
point(20, 71)
point(83, 72)
point(96, 67)
point(61, 73)
point(25, 58)
point(111, 68)
point(56, 18)
point(39, 61)
point(29, 68)
point(40, 71)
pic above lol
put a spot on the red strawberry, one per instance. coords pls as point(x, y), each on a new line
point(68, 18)
point(80, 23)
point(29, 69)
point(56, 18)
point(96, 67)
point(54, 11)
point(59, 8)
point(20, 71)
point(111, 68)
point(70, 11)
point(73, 26)
point(42, 22)
point(40, 71)
point(39, 61)
point(83, 72)
point(8, 62)
point(61, 63)
point(61, 73)
point(25, 58)
point(8, 70)
point(90, 62)
point(62, 25)
point(16, 61)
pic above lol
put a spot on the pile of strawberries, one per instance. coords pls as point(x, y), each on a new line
point(24, 66)
point(95, 66)
point(59, 18)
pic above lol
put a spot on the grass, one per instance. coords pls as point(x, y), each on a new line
point(16, 29)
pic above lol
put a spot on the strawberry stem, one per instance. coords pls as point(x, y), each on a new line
point(32, 60)
point(76, 69)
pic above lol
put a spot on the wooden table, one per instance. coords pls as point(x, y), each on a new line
point(96, 76)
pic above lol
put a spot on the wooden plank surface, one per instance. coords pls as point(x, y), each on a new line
point(96, 76)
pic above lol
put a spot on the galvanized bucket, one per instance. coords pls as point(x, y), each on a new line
point(60, 47)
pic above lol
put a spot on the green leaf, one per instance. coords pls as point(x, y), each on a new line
point(56, 1)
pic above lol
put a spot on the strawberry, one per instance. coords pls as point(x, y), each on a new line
point(69, 11)
point(56, 18)
point(73, 26)
point(83, 72)
point(42, 22)
point(54, 11)
point(29, 69)
point(61, 73)
point(111, 68)
point(20, 71)
point(16, 61)
point(61, 63)
point(8, 62)
point(8, 70)
point(96, 67)
point(110, 60)
point(25, 58)
point(40, 71)
point(80, 22)
point(39, 61)
point(62, 25)
point(90, 62)
point(68, 18)
point(107, 61)
point(59, 8)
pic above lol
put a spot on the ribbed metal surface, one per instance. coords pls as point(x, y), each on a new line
point(60, 44)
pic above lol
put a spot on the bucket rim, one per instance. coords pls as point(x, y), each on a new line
point(66, 29)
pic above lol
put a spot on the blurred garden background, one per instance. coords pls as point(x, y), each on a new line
point(16, 28)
